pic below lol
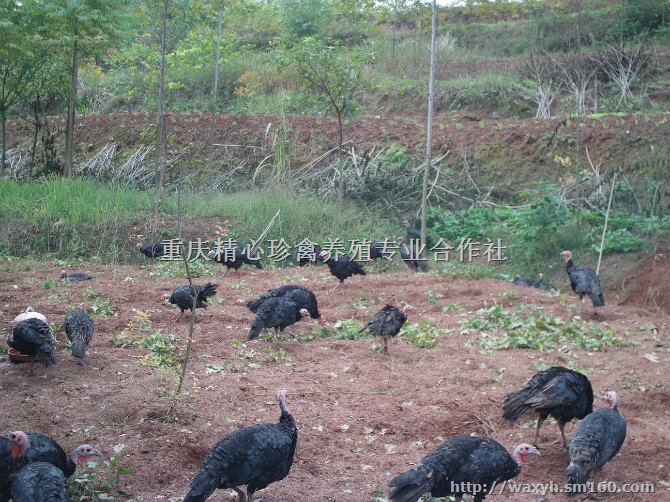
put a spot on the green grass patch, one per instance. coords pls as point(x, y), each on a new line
point(70, 200)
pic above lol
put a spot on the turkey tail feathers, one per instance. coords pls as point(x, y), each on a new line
point(46, 355)
point(598, 299)
point(411, 485)
point(515, 405)
point(207, 291)
point(203, 485)
point(78, 345)
point(256, 328)
point(254, 304)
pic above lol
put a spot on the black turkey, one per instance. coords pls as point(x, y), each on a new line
point(414, 234)
point(411, 260)
point(39, 482)
point(74, 276)
point(233, 257)
point(523, 281)
point(182, 297)
point(151, 250)
point(309, 255)
point(595, 442)
point(79, 329)
point(254, 456)
point(277, 313)
point(458, 463)
point(382, 249)
point(387, 323)
point(18, 449)
point(33, 338)
point(341, 267)
point(584, 281)
point(542, 284)
point(560, 392)
point(300, 295)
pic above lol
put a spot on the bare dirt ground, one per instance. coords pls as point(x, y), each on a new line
point(363, 417)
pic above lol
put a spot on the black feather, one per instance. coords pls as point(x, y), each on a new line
point(33, 337)
point(39, 482)
point(274, 312)
point(411, 261)
point(596, 441)
point(584, 281)
point(386, 324)
point(79, 329)
point(41, 448)
point(462, 459)
point(254, 456)
point(152, 250)
point(182, 297)
point(234, 258)
point(560, 392)
point(300, 295)
point(343, 267)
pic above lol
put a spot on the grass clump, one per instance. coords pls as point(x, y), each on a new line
point(531, 328)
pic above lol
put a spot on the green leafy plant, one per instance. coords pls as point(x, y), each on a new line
point(433, 297)
point(422, 334)
point(531, 328)
point(100, 484)
point(101, 306)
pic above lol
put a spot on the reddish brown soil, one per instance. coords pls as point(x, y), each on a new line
point(363, 417)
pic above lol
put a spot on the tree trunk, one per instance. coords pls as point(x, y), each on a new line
point(160, 132)
point(429, 129)
point(69, 128)
point(3, 118)
point(215, 96)
point(340, 155)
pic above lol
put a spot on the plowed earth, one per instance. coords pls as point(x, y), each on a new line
point(363, 417)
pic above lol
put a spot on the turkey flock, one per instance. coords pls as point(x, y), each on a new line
point(34, 467)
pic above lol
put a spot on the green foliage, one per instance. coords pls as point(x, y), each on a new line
point(305, 18)
point(73, 201)
point(332, 74)
point(529, 327)
point(175, 268)
point(345, 329)
point(101, 483)
point(161, 347)
point(491, 93)
point(101, 306)
point(421, 334)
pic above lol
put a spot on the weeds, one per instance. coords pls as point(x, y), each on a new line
point(101, 306)
point(531, 328)
point(102, 484)
point(169, 269)
point(422, 334)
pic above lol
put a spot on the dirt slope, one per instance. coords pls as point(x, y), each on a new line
point(362, 417)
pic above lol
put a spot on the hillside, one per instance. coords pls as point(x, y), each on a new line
point(502, 155)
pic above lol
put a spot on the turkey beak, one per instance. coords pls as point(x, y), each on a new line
point(534, 451)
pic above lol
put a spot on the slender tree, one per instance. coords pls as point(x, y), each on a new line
point(80, 26)
point(215, 94)
point(160, 129)
point(429, 128)
point(18, 64)
point(333, 77)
